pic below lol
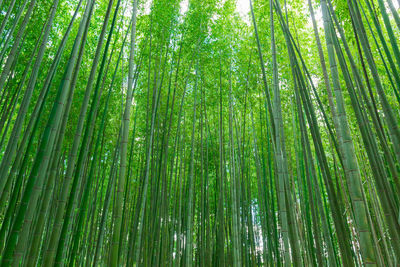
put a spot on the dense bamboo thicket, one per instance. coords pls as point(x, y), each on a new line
point(199, 133)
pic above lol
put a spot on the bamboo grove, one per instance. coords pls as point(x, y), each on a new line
point(191, 133)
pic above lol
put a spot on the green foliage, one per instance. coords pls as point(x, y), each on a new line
point(251, 173)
